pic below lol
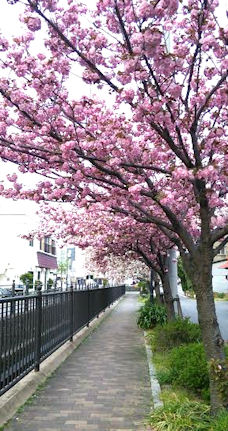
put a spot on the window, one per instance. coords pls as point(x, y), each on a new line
point(222, 251)
point(48, 245)
point(53, 248)
point(42, 244)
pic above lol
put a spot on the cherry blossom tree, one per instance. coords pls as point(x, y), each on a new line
point(114, 267)
point(108, 235)
point(150, 143)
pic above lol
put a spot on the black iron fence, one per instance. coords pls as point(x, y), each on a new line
point(32, 327)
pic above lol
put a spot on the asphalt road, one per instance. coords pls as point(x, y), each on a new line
point(189, 309)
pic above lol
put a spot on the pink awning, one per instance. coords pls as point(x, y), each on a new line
point(224, 265)
point(46, 261)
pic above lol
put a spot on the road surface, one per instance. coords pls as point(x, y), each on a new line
point(189, 309)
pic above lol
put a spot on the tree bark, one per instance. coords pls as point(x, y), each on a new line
point(199, 269)
point(168, 298)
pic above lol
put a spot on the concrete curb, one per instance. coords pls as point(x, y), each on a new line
point(155, 387)
point(26, 387)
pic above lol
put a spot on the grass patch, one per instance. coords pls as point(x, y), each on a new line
point(180, 414)
point(220, 423)
point(184, 413)
point(186, 407)
point(162, 365)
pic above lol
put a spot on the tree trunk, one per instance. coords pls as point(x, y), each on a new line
point(168, 298)
point(199, 270)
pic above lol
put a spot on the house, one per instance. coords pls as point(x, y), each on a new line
point(220, 271)
point(222, 255)
point(19, 255)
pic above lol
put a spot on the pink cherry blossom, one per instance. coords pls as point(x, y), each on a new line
point(33, 23)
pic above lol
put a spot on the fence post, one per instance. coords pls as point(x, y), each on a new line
point(71, 312)
point(12, 305)
point(109, 299)
point(26, 294)
point(13, 288)
point(88, 306)
point(38, 327)
point(26, 289)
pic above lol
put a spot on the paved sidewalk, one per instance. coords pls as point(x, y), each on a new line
point(103, 386)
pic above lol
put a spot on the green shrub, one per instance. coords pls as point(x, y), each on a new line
point(181, 414)
point(164, 376)
point(220, 295)
point(175, 333)
point(189, 367)
point(27, 279)
point(144, 286)
point(151, 315)
point(50, 283)
point(226, 350)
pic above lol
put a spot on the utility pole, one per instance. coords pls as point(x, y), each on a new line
point(151, 286)
point(172, 274)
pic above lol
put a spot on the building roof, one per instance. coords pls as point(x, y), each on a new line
point(46, 261)
point(224, 265)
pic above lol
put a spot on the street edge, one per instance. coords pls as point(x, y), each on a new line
point(155, 386)
point(15, 397)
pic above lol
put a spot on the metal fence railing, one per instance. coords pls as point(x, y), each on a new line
point(34, 326)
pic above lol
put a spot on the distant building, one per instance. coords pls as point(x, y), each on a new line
point(222, 255)
point(71, 265)
point(220, 271)
point(19, 255)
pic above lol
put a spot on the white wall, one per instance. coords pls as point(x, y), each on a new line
point(220, 284)
point(16, 256)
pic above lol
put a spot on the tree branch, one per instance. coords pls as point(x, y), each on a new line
point(219, 233)
point(147, 260)
point(68, 43)
point(148, 167)
point(178, 227)
point(220, 246)
point(123, 29)
point(207, 99)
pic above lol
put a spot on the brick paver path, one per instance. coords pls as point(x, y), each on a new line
point(102, 386)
